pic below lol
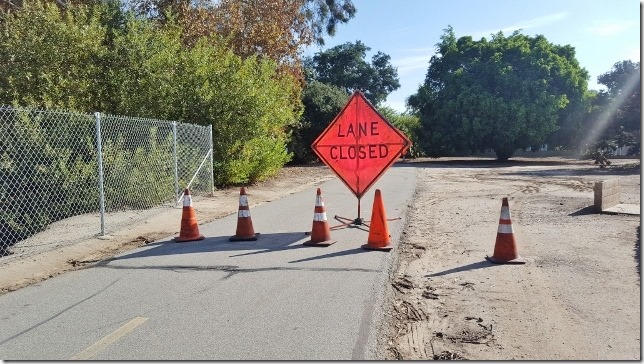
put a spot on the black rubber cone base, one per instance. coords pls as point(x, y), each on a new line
point(322, 244)
point(240, 238)
point(517, 260)
point(179, 239)
point(381, 248)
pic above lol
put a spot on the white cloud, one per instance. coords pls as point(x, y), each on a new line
point(610, 28)
point(419, 50)
point(526, 24)
point(402, 31)
point(537, 22)
point(412, 63)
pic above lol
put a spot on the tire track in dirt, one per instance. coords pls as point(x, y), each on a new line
point(425, 326)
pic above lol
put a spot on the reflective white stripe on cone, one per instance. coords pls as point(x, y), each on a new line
point(320, 232)
point(245, 231)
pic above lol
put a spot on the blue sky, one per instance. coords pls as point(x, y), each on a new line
point(602, 32)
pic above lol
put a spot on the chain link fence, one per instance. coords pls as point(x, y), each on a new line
point(67, 176)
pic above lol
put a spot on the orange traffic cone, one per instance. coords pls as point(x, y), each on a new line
point(378, 230)
point(505, 249)
point(320, 233)
point(245, 230)
point(189, 226)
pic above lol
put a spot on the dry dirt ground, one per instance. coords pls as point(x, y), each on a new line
point(578, 296)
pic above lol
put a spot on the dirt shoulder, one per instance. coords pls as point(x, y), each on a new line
point(578, 296)
point(157, 224)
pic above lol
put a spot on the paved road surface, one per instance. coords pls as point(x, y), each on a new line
point(272, 299)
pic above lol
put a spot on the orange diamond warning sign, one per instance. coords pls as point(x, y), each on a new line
point(360, 144)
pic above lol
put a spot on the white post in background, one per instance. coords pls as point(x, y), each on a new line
point(212, 171)
point(99, 155)
point(176, 164)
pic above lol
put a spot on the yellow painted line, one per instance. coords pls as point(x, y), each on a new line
point(109, 339)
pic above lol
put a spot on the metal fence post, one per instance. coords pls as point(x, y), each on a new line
point(212, 171)
point(176, 163)
point(99, 156)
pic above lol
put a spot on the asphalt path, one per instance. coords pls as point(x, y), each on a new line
point(270, 299)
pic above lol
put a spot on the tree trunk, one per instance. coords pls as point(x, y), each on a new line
point(503, 153)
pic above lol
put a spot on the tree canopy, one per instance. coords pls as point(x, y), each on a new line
point(502, 94)
point(320, 17)
point(623, 83)
point(322, 102)
point(277, 29)
point(615, 118)
point(345, 66)
point(274, 29)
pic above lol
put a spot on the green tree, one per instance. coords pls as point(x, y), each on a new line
point(623, 83)
point(570, 122)
point(276, 29)
point(345, 66)
point(322, 102)
point(320, 16)
point(615, 119)
point(408, 124)
point(147, 71)
point(325, 15)
point(502, 94)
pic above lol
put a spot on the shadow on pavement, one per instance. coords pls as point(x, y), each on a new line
point(331, 255)
point(264, 242)
point(471, 266)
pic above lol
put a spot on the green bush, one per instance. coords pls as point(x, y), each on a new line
point(249, 105)
point(139, 177)
point(49, 171)
point(50, 58)
point(600, 152)
point(45, 175)
point(408, 125)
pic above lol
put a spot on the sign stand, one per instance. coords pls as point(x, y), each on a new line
point(358, 221)
point(347, 222)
